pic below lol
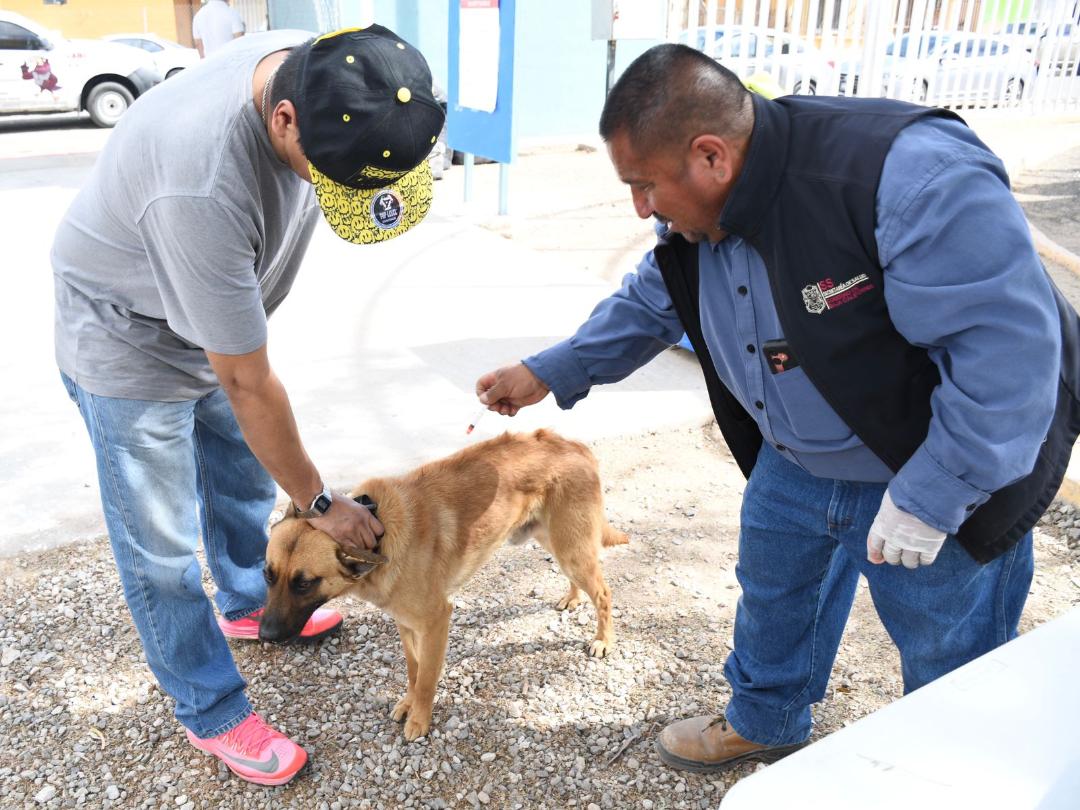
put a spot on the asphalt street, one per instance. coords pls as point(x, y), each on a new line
point(1050, 195)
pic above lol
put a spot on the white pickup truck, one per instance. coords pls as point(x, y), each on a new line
point(42, 72)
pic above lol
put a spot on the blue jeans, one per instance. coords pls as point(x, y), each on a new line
point(801, 549)
point(157, 462)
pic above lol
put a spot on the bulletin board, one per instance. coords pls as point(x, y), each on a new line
point(486, 129)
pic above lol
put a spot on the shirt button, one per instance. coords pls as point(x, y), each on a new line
point(781, 448)
point(743, 291)
point(971, 507)
point(759, 404)
point(750, 348)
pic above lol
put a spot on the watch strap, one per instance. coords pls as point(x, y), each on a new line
point(319, 505)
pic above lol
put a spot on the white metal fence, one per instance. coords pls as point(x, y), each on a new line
point(1001, 54)
point(253, 13)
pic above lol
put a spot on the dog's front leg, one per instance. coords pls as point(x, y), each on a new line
point(430, 655)
point(408, 641)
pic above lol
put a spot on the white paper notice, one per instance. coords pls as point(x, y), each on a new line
point(478, 55)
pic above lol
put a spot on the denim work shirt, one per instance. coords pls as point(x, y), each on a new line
point(962, 280)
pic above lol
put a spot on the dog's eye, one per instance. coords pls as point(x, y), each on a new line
point(269, 576)
point(304, 585)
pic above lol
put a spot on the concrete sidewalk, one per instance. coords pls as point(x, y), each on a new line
point(380, 346)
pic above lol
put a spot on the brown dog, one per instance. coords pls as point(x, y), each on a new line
point(442, 522)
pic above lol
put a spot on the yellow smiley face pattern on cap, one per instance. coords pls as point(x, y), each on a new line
point(367, 216)
point(369, 126)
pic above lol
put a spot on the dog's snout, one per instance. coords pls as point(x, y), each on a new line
point(272, 629)
point(284, 623)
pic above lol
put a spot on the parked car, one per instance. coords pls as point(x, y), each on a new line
point(170, 57)
point(42, 72)
point(955, 69)
point(797, 65)
point(1058, 49)
point(1054, 46)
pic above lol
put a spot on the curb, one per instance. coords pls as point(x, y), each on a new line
point(1069, 491)
point(1051, 250)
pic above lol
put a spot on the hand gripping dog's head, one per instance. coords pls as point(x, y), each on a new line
point(304, 569)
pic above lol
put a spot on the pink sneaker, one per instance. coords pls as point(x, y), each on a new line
point(322, 623)
point(255, 752)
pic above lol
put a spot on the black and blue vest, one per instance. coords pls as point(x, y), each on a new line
point(806, 202)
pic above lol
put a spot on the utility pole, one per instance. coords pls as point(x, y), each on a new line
point(610, 67)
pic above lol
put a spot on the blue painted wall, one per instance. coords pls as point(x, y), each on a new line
point(285, 14)
point(560, 71)
point(423, 23)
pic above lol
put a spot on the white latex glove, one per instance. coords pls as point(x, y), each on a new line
point(898, 537)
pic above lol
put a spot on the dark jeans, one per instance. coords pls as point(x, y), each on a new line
point(801, 550)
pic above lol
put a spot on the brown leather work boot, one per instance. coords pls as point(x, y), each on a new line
point(707, 744)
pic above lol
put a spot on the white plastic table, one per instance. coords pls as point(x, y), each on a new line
point(1000, 732)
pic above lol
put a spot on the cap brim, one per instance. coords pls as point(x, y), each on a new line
point(366, 216)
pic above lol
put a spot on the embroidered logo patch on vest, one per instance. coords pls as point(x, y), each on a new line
point(826, 294)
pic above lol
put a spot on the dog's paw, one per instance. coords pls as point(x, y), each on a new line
point(416, 727)
point(599, 648)
point(401, 709)
point(568, 602)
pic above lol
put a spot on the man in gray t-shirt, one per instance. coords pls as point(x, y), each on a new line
point(188, 234)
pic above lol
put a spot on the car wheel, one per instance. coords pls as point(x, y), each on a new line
point(1014, 91)
point(107, 102)
point(811, 88)
point(172, 72)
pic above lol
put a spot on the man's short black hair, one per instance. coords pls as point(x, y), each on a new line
point(671, 94)
point(287, 79)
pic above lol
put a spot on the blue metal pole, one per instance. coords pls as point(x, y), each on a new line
point(504, 189)
point(467, 162)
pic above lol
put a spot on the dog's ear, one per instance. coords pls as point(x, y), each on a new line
point(361, 563)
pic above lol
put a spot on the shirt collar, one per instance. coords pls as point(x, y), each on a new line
point(761, 172)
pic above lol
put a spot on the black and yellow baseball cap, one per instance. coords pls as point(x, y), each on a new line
point(368, 120)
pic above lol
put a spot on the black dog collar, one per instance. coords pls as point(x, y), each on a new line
point(372, 507)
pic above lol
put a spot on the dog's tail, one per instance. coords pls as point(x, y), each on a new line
point(613, 537)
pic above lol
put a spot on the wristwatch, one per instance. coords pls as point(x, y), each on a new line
point(319, 505)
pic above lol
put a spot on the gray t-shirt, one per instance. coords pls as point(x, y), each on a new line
point(187, 235)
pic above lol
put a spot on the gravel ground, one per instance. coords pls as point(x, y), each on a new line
point(524, 718)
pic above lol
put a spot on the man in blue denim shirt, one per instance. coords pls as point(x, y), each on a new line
point(937, 268)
